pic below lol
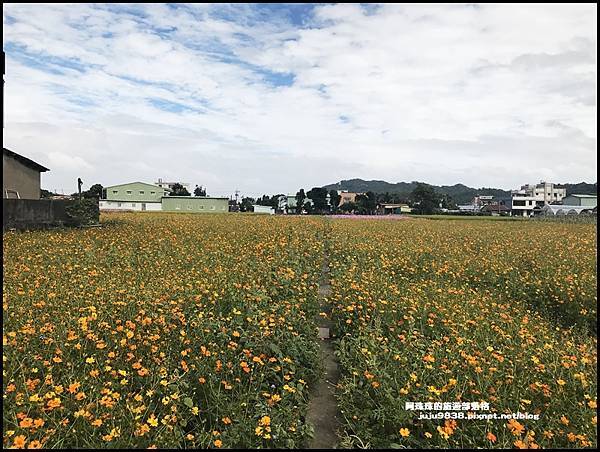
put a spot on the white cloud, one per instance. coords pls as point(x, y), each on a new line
point(487, 95)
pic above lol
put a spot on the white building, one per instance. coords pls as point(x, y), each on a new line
point(470, 208)
point(107, 204)
point(539, 195)
point(482, 200)
point(162, 184)
point(263, 209)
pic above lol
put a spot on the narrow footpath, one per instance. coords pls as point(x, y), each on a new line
point(323, 412)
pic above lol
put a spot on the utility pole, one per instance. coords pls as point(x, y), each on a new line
point(237, 192)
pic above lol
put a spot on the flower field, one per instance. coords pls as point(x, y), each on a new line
point(198, 331)
point(491, 312)
point(181, 331)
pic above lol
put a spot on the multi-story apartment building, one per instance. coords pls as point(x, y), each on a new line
point(483, 200)
point(529, 197)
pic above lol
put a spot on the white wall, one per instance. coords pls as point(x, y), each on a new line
point(264, 209)
point(128, 205)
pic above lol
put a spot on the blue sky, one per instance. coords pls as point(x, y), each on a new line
point(269, 98)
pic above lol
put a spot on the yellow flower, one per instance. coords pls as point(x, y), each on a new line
point(404, 432)
point(152, 420)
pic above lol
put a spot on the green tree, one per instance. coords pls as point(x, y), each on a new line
point(95, 191)
point(300, 197)
point(179, 190)
point(367, 203)
point(246, 204)
point(426, 200)
point(199, 191)
point(45, 193)
point(319, 199)
point(348, 207)
point(334, 199)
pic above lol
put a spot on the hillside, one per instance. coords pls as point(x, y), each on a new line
point(460, 193)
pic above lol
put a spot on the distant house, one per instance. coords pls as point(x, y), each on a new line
point(482, 200)
point(347, 197)
point(389, 209)
point(197, 204)
point(468, 208)
point(291, 202)
point(170, 185)
point(20, 176)
point(529, 197)
point(495, 209)
point(148, 197)
point(134, 196)
point(590, 201)
point(263, 209)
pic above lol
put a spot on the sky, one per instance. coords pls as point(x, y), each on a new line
point(268, 98)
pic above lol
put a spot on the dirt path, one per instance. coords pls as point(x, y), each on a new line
point(323, 411)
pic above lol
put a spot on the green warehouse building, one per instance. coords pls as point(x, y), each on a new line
point(141, 196)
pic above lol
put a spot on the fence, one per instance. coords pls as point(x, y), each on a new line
point(44, 213)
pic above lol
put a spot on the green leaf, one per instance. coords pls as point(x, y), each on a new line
point(188, 402)
point(275, 349)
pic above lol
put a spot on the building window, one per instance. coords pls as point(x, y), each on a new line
point(189, 207)
point(128, 192)
point(201, 207)
point(518, 203)
point(178, 207)
point(141, 192)
point(132, 204)
point(118, 204)
point(212, 207)
point(152, 192)
point(115, 192)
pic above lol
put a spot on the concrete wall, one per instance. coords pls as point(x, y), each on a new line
point(33, 213)
point(195, 204)
point(21, 178)
point(138, 192)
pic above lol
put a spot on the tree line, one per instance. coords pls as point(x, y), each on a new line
point(318, 201)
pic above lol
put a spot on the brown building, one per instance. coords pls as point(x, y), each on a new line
point(20, 176)
point(347, 197)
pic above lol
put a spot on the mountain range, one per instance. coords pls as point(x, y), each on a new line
point(460, 194)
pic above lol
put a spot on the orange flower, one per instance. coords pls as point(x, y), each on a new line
point(218, 443)
point(515, 427)
point(53, 403)
point(490, 436)
point(19, 442)
point(74, 387)
point(26, 423)
point(265, 420)
point(34, 445)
